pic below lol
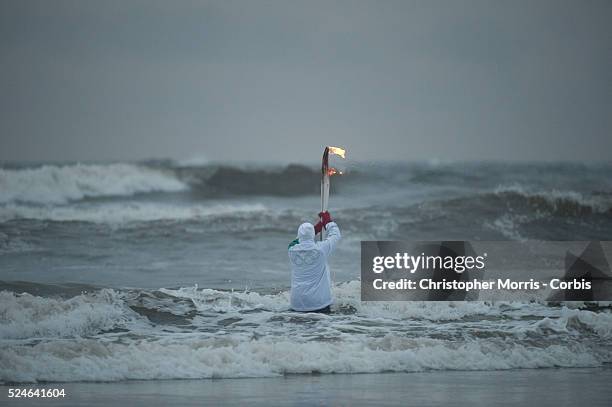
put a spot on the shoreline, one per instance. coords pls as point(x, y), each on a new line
point(542, 387)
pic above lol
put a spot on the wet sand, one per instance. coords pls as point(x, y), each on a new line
point(539, 387)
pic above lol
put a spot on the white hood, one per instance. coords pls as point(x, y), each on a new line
point(306, 232)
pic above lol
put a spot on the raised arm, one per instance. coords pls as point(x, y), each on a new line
point(333, 237)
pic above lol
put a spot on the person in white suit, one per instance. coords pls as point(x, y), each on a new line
point(310, 277)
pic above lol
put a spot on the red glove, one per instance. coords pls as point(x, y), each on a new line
point(318, 228)
point(325, 218)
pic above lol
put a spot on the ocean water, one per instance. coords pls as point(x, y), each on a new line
point(168, 270)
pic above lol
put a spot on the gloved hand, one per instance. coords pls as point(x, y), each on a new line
point(325, 218)
point(318, 228)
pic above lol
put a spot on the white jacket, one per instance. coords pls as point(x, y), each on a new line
point(310, 278)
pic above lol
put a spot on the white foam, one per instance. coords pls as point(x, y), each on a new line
point(27, 316)
point(348, 295)
point(52, 184)
point(123, 213)
point(74, 350)
point(225, 357)
point(213, 300)
point(508, 225)
point(599, 323)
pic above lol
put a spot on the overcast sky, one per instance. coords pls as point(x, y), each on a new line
point(252, 79)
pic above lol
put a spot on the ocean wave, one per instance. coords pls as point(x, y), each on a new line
point(189, 332)
point(522, 207)
point(53, 184)
point(32, 315)
point(553, 202)
point(516, 199)
point(348, 296)
point(124, 213)
point(28, 316)
point(599, 323)
point(10, 244)
point(193, 358)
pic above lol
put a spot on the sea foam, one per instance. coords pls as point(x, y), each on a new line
point(123, 213)
point(54, 184)
point(111, 335)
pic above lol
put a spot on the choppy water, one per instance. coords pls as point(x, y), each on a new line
point(135, 241)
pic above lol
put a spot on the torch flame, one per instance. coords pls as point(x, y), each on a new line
point(338, 151)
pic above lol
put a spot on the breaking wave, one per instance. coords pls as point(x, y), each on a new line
point(196, 358)
point(125, 213)
point(108, 335)
point(54, 184)
point(555, 202)
point(520, 207)
point(27, 316)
